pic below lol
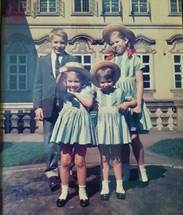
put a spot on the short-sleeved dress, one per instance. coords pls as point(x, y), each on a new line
point(111, 126)
point(137, 122)
point(73, 125)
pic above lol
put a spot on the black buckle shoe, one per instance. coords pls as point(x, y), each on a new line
point(120, 195)
point(54, 183)
point(84, 203)
point(104, 197)
point(61, 202)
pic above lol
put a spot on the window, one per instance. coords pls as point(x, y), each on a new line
point(111, 7)
point(81, 6)
point(146, 70)
point(85, 60)
point(139, 7)
point(17, 72)
point(175, 6)
point(16, 7)
point(178, 71)
point(47, 6)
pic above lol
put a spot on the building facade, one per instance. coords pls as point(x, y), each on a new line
point(159, 43)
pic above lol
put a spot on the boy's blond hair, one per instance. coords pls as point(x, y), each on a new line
point(58, 32)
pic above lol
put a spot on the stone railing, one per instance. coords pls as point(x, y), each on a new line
point(18, 118)
point(165, 115)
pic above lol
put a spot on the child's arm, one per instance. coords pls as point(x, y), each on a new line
point(140, 91)
point(85, 100)
point(126, 104)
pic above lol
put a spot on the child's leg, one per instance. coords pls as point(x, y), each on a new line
point(138, 148)
point(117, 166)
point(80, 153)
point(138, 151)
point(66, 158)
point(104, 153)
point(125, 156)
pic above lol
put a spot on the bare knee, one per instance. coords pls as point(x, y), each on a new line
point(104, 161)
point(116, 162)
point(80, 163)
point(65, 163)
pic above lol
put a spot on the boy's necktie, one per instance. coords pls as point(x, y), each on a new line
point(57, 65)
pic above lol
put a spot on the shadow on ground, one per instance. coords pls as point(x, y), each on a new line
point(27, 193)
point(94, 179)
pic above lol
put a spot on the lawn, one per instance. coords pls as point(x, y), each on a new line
point(169, 147)
point(22, 153)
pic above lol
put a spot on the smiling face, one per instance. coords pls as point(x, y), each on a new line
point(118, 43)
point(105, 79)
point(58, 44)
point(73, 82)
point(105, 83)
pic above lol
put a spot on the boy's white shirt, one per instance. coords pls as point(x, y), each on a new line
point(53, 61)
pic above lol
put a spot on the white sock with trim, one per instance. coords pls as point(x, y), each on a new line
point(143, 174)
point(64, 192)
point(119, 186)
point(105, 187)
point(82, 192)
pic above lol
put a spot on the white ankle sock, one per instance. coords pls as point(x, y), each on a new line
point(64, 192)
point(82, 192)
point(105, 187)
point(143, 174)
point(119, 186)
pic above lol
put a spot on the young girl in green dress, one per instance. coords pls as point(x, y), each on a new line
point(122, 40)
point(73, 129)
point(112, 130)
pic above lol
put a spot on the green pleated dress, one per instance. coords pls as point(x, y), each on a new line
point(140, 123)
point(74, 125)
point(111, 126)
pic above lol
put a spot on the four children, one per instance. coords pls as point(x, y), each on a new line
point(117, 87)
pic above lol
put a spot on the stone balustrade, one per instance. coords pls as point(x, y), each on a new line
point(165, 115)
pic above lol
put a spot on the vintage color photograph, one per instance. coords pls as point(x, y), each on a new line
point(91, 107)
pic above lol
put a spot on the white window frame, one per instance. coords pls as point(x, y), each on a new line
point(178, 5)
point(178, 73)
point(136, 13)
point(111, 12)
point(82, 59)
point(82, 12)
point(18, 74)
point(150, 73)
point(47, 8)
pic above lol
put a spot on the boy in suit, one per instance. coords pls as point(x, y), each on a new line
point(45, 98)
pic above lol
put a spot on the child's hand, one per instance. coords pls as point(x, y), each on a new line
point(122, 107)
point(63, 69)
point(137, 109)
point(39, 114)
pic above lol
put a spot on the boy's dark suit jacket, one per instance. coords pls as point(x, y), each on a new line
point(45, 90)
